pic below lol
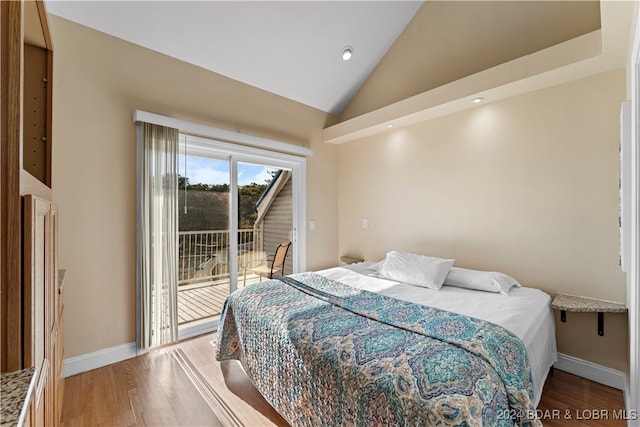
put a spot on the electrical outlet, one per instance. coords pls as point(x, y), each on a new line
point(312, 225)
point(365, 223)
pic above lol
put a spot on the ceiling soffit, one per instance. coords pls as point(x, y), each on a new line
point(449, 40)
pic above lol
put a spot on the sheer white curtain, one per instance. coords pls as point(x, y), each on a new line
point(157, 235)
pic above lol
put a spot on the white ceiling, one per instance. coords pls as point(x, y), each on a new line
point(290, 48)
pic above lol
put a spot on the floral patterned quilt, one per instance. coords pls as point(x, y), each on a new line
point(324, 353)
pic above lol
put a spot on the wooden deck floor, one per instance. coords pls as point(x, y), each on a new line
point(205, 300)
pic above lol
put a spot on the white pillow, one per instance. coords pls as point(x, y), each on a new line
point(489, 281)
point(414, 269)
point(374, 266)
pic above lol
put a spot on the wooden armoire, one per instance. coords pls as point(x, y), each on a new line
point(31, 309)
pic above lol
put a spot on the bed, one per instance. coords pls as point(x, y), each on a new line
point(345, 347)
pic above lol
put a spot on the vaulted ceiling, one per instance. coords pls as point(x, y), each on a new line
point(293, 48)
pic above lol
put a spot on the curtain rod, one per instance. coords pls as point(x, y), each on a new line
point(220, 134)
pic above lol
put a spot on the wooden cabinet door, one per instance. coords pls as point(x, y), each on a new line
point(38, 298)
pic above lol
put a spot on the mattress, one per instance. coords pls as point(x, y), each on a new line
point(323, 352)
point(526, 312)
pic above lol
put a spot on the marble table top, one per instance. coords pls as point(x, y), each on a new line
point(16, 388)
point(347, 259)
point(583, 304)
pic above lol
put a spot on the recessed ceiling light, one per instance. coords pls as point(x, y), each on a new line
point(347, 53)
point(390, 125)
point(477, 100)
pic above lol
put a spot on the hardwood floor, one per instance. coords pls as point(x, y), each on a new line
point(183, 385)
point(147, 390)
point(162, 388)
point(571, 400)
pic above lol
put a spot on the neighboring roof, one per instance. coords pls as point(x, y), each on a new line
point(271, 185)
point(270, 194)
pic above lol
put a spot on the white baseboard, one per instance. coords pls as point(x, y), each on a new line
point(107, 356)
point(592, 371)
point(98, 359)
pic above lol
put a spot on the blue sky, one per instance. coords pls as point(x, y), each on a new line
point(211, 171)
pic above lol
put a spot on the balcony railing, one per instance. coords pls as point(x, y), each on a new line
point(203, 270)
point(203, 256)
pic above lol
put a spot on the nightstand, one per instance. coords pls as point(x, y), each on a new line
point(566, 302)
point(348, 259)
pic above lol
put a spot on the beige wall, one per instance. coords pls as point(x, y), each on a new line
point(528, 186)
point(98, 82)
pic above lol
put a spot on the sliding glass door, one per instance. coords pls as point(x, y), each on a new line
point(236, 205)
point(203, 238)
point(204, 228)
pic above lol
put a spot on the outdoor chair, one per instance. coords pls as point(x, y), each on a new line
point(264, 269)
point(205, 270)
